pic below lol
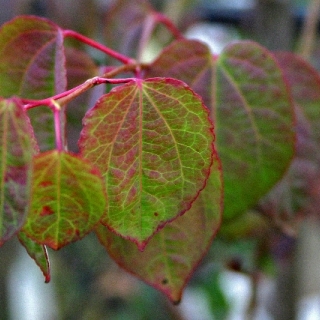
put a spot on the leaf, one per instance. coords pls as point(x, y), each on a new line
point(38, 253)
point(173, 253)
point(16, 167)
point(43, 124)
point(67, 199)
point(124, 37)
point(32, 62)
point(80, 67)
point(189, 61)
point(298, 191)
point(36, 70)
point(251, 109)
point(152, 141)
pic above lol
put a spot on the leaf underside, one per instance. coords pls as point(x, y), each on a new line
point(173, 253)
point(68, 199)
point(16, 167)
point(251, 109)
point(38, 253)
point(298, 191)
point(152, 141)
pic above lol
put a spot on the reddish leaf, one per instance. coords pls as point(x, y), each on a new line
point(80, 67)
point(67, 199)
point(38, 253)
point(124, 37)
point(16, 167)
point(189, 61)
point(36, 70)
point(32, 62)
point(173, 253)
point(294, 193)
point(152, 140)
point(251, 109)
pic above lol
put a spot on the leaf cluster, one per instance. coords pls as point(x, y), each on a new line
point(168, 148)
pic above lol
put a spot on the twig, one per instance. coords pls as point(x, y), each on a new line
point(309, 30)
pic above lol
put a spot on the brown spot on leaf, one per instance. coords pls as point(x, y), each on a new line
point(46, 211)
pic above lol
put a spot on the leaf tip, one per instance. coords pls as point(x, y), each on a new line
point(47, 278)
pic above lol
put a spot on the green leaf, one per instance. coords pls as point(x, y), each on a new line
point(67, 199)
point(38, 253)
point(298, 192)
point(152, 141)
point(173, 253)
point(32, 61)
point(43, 124)
point(16, 167)
point(251, 109)
point(36, 70)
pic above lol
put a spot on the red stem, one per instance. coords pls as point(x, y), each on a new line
point(161, 18)
point(57, 125)
point(66, 96)
point(120, 57)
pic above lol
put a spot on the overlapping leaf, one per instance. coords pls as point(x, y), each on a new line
point(172, 254)
point(296, 191)
point(38, 253)
point(80, 67)
point(68, 199)
point(32, 65)
point(251, 108)
point(152, 141)
point(16, 167)
point(32, 62)
point(189, 61)
point(124, 37)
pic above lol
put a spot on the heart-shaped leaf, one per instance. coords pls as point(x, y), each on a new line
point(173, 253)
point(251, 109)
point(152, 141)
point(16, 167)
point(32, 65)
point(294, 193)
point(68, 199)
point(32, 62)
point(38, 253)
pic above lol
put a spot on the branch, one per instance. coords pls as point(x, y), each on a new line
point(161, 18)
point(114, 54)
point(308, 34)
point(65, 97)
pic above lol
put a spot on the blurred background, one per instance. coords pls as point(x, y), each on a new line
point(242, 277)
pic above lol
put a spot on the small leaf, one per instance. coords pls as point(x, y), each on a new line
point(32, 61)
point(152, 141)
point(38, 253)
point(67, 199)
point(16, 152)
point(173, 253)
point(251, 109)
